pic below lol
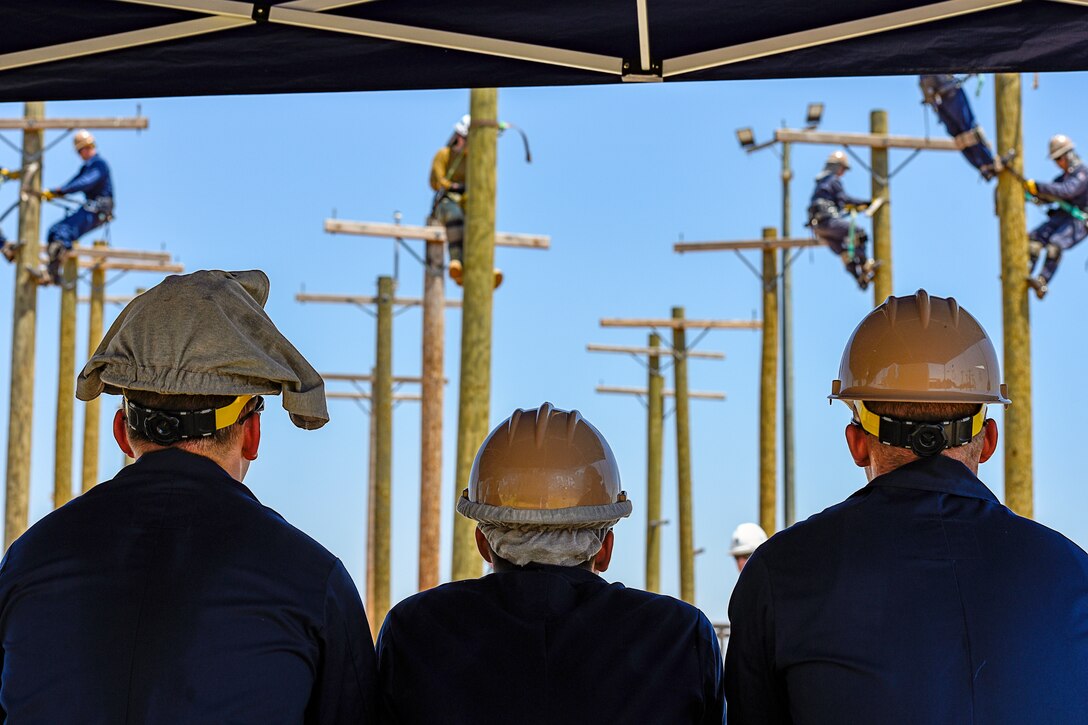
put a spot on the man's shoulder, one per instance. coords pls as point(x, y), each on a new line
point(1038, 540)
point(473, 594)
point(221, 509)
point(816, 526)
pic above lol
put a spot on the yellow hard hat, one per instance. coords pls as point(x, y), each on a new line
point(919, 349)
point(1060, 145)
point(839, 158)
point(82, 139)
point(545, 468)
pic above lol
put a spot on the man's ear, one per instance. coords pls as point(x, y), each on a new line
point(858, 442)
point(989, 439)
point(604, 556)
point(251, 437)
point(120, 434)
point(482, 546)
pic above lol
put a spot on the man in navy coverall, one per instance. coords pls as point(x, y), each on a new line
point(1065, 225)
point(919, 599)
point(170, 594)
point(94, 182)
point(829, 215)
point(545, 640)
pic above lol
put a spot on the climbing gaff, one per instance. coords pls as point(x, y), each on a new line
point(944, 93)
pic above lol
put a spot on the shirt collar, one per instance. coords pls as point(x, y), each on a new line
point(936, 473)
point(175, 462)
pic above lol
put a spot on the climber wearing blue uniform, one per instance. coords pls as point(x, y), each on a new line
point(944, 93)
point(1065, 226)
point(829, 214)
point(94, 182)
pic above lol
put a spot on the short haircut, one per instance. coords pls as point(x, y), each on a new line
point(925, 413)
point(218, 441)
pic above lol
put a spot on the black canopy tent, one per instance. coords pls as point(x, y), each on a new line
point(80, 49)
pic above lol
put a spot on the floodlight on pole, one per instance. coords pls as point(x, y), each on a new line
point(813, 114)
point(746, 137)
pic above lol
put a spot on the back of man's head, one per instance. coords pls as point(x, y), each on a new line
point(917, 374)
point(544, 489)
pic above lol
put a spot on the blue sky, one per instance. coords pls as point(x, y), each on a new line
point(618, 175)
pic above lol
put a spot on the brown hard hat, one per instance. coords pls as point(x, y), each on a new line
point(82, 139)
point(920, 349)
point(840, 158)
point(1059, 146)
point(545, 467)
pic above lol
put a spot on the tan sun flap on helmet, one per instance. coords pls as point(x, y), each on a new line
point(205, 333)
point(574, 517)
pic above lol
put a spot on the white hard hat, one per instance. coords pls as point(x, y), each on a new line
point(840, 158)
point(1060, 145)
point(82, 139)
point(461, 127)
point(746, 538)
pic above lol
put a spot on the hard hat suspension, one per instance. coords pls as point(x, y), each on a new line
point(166, 427)
point(923, 438)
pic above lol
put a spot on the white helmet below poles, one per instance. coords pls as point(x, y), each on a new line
point(82, 139)
point(461, 127)
point(838, 158)
point(746, 538)
point(1060, 145)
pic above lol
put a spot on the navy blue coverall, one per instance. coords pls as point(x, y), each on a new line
point(827, 215)
point(171, 595)
point(1061, 231)
point(919, 599)
point(945, 95)
point(93, 181)
point(544, 645)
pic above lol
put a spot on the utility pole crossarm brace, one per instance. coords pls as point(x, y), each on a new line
point(385, 230)
point(685, 324)
point(761, 244)
point(129, 266)
point(634, 350)
point(622, 390)
point(335, 395)
point(368, 378)
point(43, 124)
point(365, 300)
point(872, 140)
point(112, 253)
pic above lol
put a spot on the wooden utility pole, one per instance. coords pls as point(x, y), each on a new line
point(66, 386)
point(679, 324)
point(882, 217)
point(430, 439)
point(92, 410)
point(879, 140)
point(768, 245)
point(655, 419)
point(683, 459)
point(371, 496)
point(24, 327)
point(432, 380)
point(789, 502)
point(383, 462)
point(101, 258)
point(1019, 494)
point(474, 402)
point(433, 363)
point(24, 312)
point(654, 395)
point(371, 507)
point(768, 391)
